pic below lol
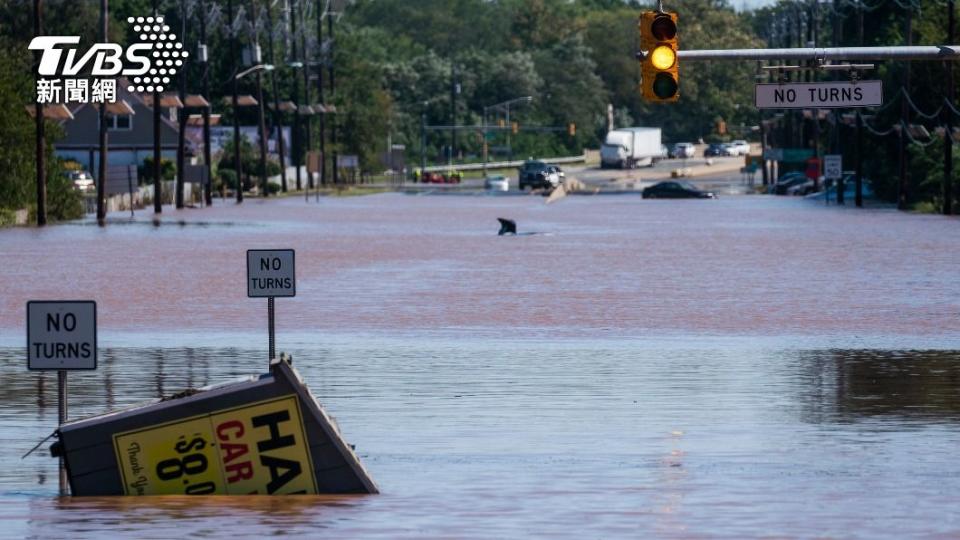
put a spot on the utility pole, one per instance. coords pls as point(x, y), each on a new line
point(333, 95)
point(182, 113)
point(858, 194)
point(948, 122)
point(323, 121)
point(261, 122)
point(423, 139)
point(297, 154)
point(277, 115)
point(236, 119)
point(38, 118)
point(903, 197)
point(157, 189)
point(204, 58)
point(454, 90)
point(306, 84)
point(837, 24)
point(102, 176)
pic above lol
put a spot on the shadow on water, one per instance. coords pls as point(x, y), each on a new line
point(182, 223)
point(900, 386)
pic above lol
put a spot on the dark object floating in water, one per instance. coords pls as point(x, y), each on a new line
point(262, 435)
point(507, 226)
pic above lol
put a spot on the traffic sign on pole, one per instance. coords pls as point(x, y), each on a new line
point(832, 166)
point(61, 334)
point(270, 272)
point(826, 95)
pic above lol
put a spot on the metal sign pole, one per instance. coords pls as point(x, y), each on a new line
point(62, 418)
point(270, 328)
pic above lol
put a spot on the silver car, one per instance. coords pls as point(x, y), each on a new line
point(684, 150)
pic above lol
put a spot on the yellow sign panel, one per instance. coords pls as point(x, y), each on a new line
point(258, 448)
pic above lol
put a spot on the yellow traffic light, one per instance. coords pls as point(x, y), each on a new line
point(658, 41)
point(515, 127)
point(662, 57)
point(572, 129)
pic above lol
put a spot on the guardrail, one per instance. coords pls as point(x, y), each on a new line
point(502, 164)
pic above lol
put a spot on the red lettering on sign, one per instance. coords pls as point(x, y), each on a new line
point(232, 451)
point(239, 471)
point(226, 426)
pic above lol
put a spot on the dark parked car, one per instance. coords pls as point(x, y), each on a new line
point(676, 190)
point(537, 174)
point(715, 149)
point(787, 181)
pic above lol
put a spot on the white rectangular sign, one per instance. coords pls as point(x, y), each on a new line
point(832, 166)
point(825, 95)
point(62, 334)
point(270, 273)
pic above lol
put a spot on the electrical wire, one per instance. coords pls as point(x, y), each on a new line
point(917, 110)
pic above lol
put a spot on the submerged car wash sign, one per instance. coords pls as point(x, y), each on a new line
point(62, 334)
point(824, 95)
point(257, 448)
point(270, 273)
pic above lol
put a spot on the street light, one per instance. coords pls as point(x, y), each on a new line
point(503, 105)
point(260, 124)
point(258, 67)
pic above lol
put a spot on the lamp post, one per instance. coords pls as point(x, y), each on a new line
point(236, 126)
point(204, 60)
point(277, 122)
point(503, 105)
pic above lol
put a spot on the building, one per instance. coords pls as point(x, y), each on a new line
point(129, 136)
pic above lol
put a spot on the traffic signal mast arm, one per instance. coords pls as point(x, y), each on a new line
point(821, 55)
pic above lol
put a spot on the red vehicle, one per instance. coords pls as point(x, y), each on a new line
point(451, 177)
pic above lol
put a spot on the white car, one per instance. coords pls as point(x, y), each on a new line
point(497, 183)
point(82, 180)
point(684, 150)
point(739, 148)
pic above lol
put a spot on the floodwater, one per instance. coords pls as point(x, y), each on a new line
point(738, 368)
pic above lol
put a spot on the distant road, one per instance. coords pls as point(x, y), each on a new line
point(723, 175)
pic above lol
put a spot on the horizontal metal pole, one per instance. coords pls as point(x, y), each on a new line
point(502, 164)
point(931, 52)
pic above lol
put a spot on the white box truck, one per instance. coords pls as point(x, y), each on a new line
point(628, 148)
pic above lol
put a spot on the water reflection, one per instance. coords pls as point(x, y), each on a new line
point(636, 439)
point(901, 386)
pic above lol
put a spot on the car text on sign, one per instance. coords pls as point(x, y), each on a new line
point(824, 95)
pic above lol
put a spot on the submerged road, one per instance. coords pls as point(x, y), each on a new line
point(752, 366)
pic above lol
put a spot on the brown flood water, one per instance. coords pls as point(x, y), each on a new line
point(745, 367)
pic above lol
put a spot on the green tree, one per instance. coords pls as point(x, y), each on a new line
point(17, 153)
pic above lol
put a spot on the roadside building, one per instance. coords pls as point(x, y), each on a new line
point(130, 136)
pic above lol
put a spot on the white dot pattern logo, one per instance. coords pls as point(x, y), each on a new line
point(166, 51)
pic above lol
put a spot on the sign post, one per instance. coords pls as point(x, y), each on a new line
point(61, 336)
point(270, 273)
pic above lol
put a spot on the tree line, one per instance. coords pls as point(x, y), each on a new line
point(400, 64)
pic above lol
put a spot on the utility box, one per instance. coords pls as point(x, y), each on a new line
point(263, 435)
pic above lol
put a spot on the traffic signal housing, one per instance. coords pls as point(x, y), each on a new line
point(659, 69)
